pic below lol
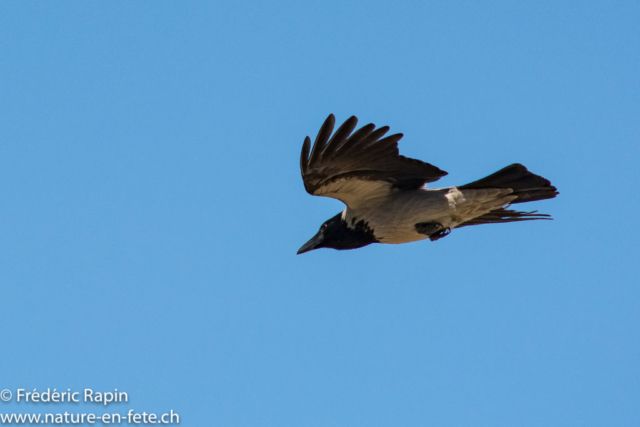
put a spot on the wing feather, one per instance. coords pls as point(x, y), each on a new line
point(321, 140)
point(372, 162)
point(358, 136)
point(340, 137)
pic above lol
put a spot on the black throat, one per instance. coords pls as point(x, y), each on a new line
point(339, 235)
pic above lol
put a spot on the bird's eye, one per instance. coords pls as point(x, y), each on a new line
point(324, 226)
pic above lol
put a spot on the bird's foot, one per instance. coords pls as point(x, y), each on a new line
point(439, 234)
point(434, 230)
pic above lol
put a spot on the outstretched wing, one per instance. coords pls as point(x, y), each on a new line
point(353, 167)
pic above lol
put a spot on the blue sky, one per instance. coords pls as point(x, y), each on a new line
point(152, 207)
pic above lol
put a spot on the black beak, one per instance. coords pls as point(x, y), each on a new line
point(312, 244)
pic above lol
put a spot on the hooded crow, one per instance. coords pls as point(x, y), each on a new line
point(385, 193)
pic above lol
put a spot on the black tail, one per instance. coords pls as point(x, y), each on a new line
point(526, 185)
point(504, 215)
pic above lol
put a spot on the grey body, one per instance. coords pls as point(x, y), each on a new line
point(393, 215)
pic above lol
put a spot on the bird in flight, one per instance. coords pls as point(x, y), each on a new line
point(385, 193)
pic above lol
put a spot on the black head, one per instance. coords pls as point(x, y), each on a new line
point(335, 234)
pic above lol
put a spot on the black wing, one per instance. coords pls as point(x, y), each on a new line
point(350, 166)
